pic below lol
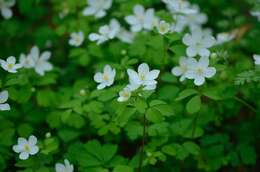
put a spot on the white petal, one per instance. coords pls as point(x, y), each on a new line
point(60, 167)
point(24, 155)
point(187, 39)
point(89, 11)
point(143, 68)
point(210, 72)
point(94, 37)
point(45, 55)
point(101, 86)
point(136, 28)
point(204, 52)
point(153, 74)
point(35, 53)
point(98, 77)
point(138, 9)
point(3, 96)
point(177, 71)
point(133, 76)
point(11, 60)
point(17, 148)
point(208, 41)
point(132, 20)
point(4, 107)
point(199, 80)
point(204, 61)
point(32, 140)
point(191, 51)
point(7, 13)
point(257, 59)
point(22, 141)
point(100, 14)
point(34, 150)
point(150, 87)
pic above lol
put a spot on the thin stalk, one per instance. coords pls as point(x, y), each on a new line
point(245, 104)
point(142, 146)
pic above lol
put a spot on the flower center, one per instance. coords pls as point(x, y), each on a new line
point(200, 71)
point(10, 65)
point(125, 94)
point(142, 77)
point(27, 148)
point(77, 39)
point(184, 69)
point(105, 77)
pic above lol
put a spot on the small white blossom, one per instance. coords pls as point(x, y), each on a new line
point(66, 167)
point(5, 6)
point(257, 59)
point(124, 95)
point(125, 36)
point(256, 14)
point(26, 61)
point(41, 60)
point(76, 38)
point(179, 6)
point(3, 98)
point(163, 27)
point(10, 65)
point(144, 77)
point(142, 19)
point(224, 37)
point(200, 70)
point(198, 43)
point(97, 8)
point(106, 32)
point(106, 78)
point(26, 147)
point(185, 65)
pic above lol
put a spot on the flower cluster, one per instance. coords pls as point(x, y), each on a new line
point(5, 8)
point(142, 78)
point(28, 147)
point(38, 61)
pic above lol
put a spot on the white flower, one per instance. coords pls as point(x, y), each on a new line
point(41, 60)
point(179, 6)
point(76, 39)
point(256, 14)
point(97, 8)
point(200, 70)
point(3, 98)
point(66, 167)
point(144, 77)
point(106, 32)
point(5, 6)
point(26, 147)
point(257, 59)
point(106, 78)
point(142, 19)
point(185, 65)
point(198, 43)
point(163, 27)
point(224, 37)
point(9, 65)
point(26, 61)
point(124, 95)
point(125, 36)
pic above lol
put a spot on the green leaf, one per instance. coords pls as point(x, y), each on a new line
point(169, 149)
point(154, 115)
point(123, 168)
point(186, 93)
point(194, 105)
point(247, 154)
point(192, 148)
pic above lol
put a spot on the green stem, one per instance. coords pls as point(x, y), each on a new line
point(142, 146)
point(245, 103)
